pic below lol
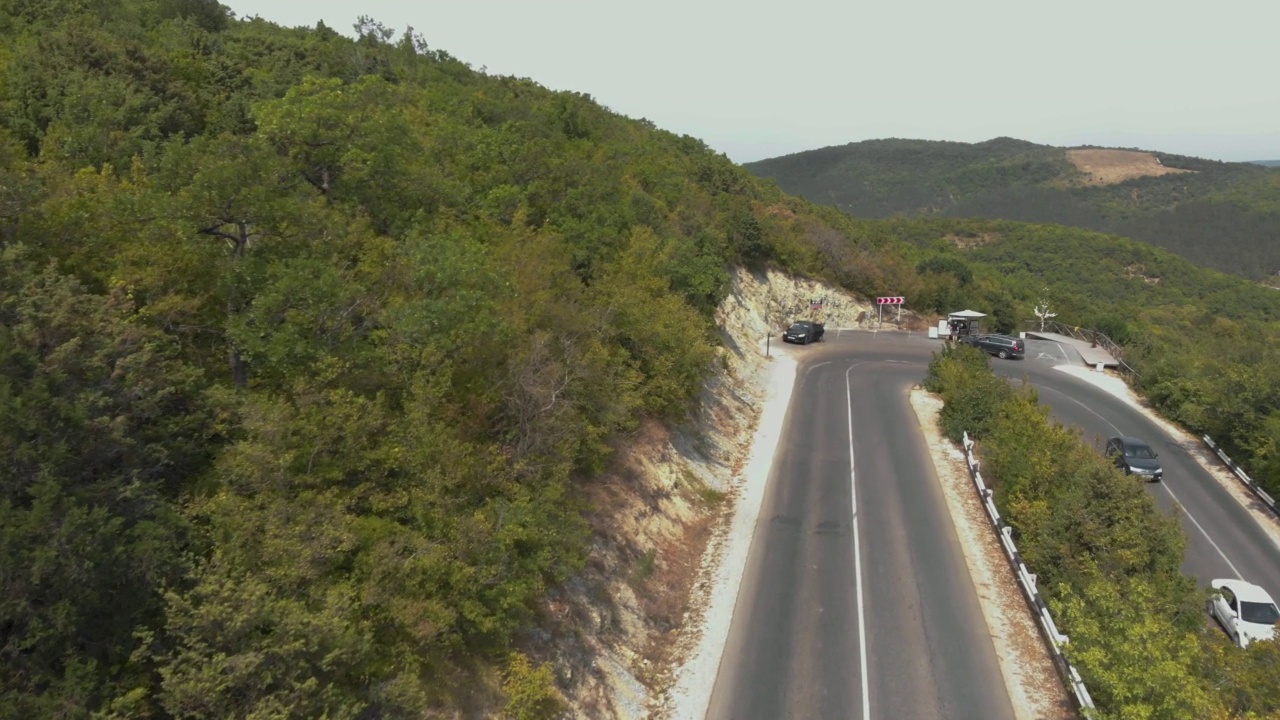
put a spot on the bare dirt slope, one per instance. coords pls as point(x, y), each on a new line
point(1108, 167)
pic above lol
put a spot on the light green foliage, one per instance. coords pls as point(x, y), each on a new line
point(973, 394)
point(1108, 562)
point(1137, 664)
point(531, 692)
point(667, 340)
point(1246, 679)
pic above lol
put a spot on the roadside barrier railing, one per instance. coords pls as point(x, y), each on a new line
point(1056, 641)
point(1086, 335)
point(1240, 474)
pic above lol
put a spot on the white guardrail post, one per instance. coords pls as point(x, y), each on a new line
point(1241, 475)
point(1049, 630)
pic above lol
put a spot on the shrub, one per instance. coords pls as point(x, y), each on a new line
point(531, 692)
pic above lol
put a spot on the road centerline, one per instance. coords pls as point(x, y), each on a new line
point(857, 552)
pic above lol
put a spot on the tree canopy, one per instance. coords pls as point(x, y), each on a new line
point(311, 345)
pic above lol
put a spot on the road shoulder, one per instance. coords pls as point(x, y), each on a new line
point(1204, 457)
point(1035, 690)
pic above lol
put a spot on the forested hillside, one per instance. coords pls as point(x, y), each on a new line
point(1203, 343)
point(311, 344)
point(1221, 215)
point(308, 343)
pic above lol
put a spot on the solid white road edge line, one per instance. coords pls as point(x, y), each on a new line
point(690, 696)
point(857, 552)
point(1195, 522)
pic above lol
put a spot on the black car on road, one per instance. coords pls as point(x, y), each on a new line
point(1002, 346)
point(1135, 457)
point(803, 332)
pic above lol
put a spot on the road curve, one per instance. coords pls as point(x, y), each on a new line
point(825, 588)
point(1224, 540)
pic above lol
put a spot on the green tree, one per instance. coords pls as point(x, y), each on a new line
point(102, 426)
point(1136, 663)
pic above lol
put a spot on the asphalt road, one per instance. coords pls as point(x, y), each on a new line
point(871, 614)
point(863, 611)
point(1223, 538)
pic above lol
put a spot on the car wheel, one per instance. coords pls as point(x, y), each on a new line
point(1003, 355)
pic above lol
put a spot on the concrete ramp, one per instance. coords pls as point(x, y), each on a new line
point(1089, 354)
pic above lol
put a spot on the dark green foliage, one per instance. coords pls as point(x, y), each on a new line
point(1222, 215)
point(101, 426)
point(309, 345)
point(950, 265)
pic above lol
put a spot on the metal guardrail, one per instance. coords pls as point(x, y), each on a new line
point(1243, 477)
point(1089, 336)
point(1049, 630)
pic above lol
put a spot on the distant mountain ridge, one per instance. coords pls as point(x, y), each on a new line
point(1219, 214)
point(1267, 163)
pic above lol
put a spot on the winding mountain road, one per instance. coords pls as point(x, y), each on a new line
point(1224, 540)
point(856, 601)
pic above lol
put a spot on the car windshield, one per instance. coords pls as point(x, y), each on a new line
point(799, 327)
point(1139, 451)
point(1260, 613)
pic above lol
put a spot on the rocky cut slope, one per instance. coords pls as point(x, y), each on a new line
point(618, 631)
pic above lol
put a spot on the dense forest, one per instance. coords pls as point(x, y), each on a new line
point(310, 343)
point(1221, 215)
point(307, 342)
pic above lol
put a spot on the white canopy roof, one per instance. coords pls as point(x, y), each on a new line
point(966, 315)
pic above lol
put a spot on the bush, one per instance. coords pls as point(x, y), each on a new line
point(531, 692)
point(1108, 559)
point(971, 392)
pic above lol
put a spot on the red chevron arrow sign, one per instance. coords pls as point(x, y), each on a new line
point(890, 300)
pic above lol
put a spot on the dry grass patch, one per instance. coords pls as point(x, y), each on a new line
point(1108, 167)
point(965, 242)
point(1138, 271)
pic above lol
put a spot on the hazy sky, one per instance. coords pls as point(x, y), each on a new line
point(756, 80)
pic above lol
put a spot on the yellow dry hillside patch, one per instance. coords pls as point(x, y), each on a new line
point(1108, 167)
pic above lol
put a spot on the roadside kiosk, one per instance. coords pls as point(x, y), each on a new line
point(965, 322)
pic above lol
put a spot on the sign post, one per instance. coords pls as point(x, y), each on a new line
point(893, 300)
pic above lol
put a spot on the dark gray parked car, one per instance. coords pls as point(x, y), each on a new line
point(1135, 457)
point(803, 332)
point(1002, 346)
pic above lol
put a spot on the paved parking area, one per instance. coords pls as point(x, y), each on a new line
point(1052, 352)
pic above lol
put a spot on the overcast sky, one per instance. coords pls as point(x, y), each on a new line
point(757, 80)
